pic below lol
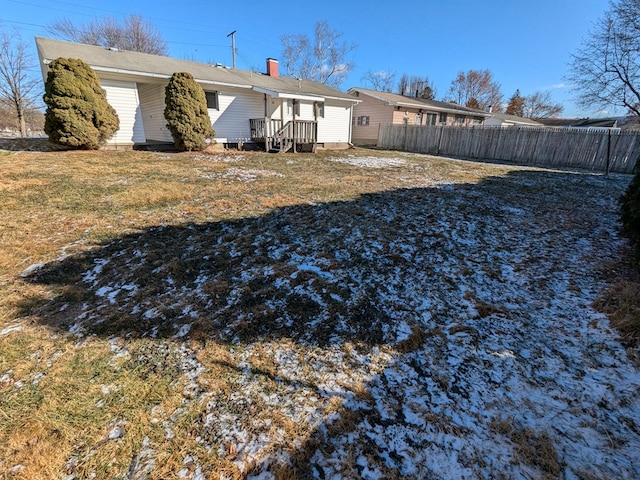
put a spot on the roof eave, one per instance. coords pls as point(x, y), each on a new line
point(288, 95)
point(137, 73)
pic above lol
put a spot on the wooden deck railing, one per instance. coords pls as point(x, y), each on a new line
point(281, 137)
point(262, 128)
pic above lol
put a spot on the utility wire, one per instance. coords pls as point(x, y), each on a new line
point(171, 23)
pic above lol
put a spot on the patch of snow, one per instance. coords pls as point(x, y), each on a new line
point(183, 331)
point(313, 269)
point(370, 162)
point(7, 330)
point(31, 269)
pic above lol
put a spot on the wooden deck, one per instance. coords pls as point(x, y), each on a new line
point(279, 137)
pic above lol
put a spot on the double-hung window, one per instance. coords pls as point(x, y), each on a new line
point(212, 100)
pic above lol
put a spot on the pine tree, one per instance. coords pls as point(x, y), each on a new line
point(186, 113)
point(473, 103)
point(78, 114)
point(516, 105)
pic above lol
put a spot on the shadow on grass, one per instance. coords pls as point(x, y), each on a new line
point(365, 271)
point(30, 144)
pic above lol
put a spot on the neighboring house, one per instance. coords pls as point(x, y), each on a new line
point(504, 120)
point(244, 106)
point(376, 108)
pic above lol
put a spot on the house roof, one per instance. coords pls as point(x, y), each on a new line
point(516, 119)
point(135, 65)
point(598, 122)
point(395, 99)
point(581, 122)
point(559, 122)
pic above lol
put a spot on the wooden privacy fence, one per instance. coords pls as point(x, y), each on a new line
point(601, 150)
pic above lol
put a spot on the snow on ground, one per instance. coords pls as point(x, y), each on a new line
point(441, 332)
point(370, 162)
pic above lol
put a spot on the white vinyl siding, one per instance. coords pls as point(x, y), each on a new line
point(306, 110)
point(335, 125)
point(231, 121)
point(152, 106)
point(123, 97)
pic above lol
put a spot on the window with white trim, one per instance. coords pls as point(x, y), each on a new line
point(363, 121)
point(212, 100)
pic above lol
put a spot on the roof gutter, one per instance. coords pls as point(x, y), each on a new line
point(164, 76)
point(274, 94)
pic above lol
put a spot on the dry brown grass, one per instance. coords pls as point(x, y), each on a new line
point(62, 396)
point(532, 447)
point(620, 301)
point(59, 203)
point(537, 449)
point(414, 341)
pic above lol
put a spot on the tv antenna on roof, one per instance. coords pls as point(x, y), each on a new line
point(233, 47)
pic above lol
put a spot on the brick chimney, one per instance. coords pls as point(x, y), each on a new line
point(272, 67)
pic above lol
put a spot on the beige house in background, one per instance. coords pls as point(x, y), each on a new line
point(376, 108)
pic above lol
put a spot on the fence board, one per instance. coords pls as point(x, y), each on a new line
point(554, 147)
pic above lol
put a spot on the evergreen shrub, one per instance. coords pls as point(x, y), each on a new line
point(630, 212)
point(78, 114)
point(186, 113)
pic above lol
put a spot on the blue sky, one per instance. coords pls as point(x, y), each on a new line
point(526, 44)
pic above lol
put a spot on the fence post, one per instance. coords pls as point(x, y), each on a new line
point(608, 153)
point(404, 141)
point(440, 138)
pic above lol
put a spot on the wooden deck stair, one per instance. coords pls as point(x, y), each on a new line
point(279, 138)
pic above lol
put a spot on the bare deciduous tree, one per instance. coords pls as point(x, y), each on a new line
point(605, 71)
point(133, 34)
point(416, 86)
point(380, 80)
point(476, 87)
point(18, 88)
point(540, 105)
point(325, 60)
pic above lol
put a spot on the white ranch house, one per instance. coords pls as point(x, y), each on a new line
point(266, 109)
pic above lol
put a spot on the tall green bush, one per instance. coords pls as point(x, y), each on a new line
point(78, 114)
point(630, 211)
point(186, 113)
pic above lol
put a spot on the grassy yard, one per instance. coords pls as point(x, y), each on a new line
point(364, 314)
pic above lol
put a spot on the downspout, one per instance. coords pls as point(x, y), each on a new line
point(351, 127)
